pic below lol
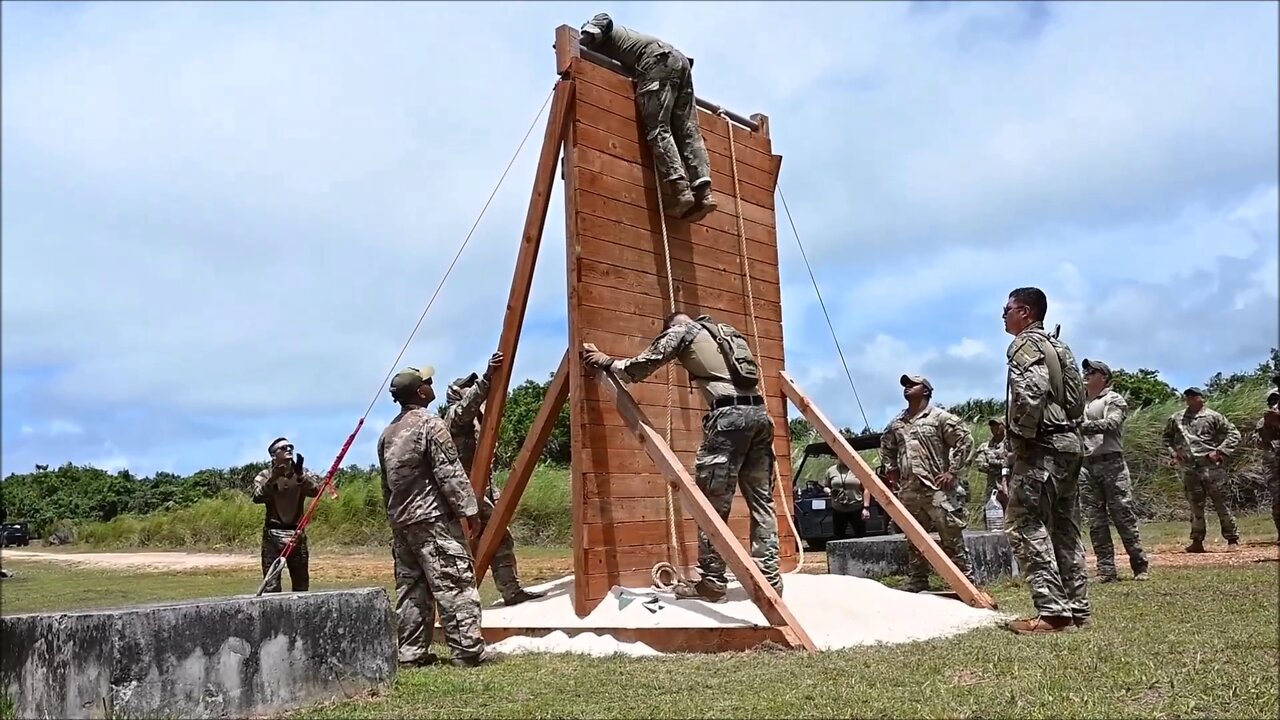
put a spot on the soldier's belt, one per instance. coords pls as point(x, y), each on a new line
point(732, 400)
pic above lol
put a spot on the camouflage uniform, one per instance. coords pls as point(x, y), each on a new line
point(1267, 439)
point(462, 415)
point(1106, 494)
point(990, 460)
point(920, 448)
point(1045, 454)
point(428, 494)
point(736, 450)
point(285, 508)
point(664, 95)
point(1195, 435)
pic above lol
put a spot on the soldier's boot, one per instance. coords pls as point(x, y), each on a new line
point(1142, 576)
point(520, 596)
point(680, 199)
point(702, 590)
point(1081, 620)
point(1106, 579)
point(1041, 625)
point(424, 660)
point(704, 203)
point(484, 658)
point(1196, 546)
point(1233, 545)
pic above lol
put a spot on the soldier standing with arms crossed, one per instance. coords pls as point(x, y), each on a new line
point(1105, 490)
point(428, 498)
point(1201, 439)
point(1045, 397)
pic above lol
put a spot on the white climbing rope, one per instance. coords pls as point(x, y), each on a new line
point(755, 330)
point(670, 567)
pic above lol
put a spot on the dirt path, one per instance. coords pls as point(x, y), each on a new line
point(138, 560)
point(1217, 556)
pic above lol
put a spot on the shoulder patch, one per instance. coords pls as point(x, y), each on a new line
point(1025, 353)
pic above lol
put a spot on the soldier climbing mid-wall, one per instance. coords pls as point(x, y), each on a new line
point(1106, 495)
point(1201, 439)
point(925, 450)
point(428, 497)
point(737, 448)
point(283, 488)
point(664, 96)
point(463, 414)
point(1045, 451)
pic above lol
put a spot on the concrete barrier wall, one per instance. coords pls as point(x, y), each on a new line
point(990, 556)
point(228, 657)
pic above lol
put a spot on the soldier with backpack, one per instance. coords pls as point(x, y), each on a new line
point(737, 445)
point(1046, 399)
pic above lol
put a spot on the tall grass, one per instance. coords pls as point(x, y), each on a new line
point(357, 517)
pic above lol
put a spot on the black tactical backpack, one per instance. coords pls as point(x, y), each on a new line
point(743, 369)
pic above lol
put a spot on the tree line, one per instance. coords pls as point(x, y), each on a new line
point(83, 493)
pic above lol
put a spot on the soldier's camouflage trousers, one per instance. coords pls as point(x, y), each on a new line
point(433, 568)
point(1200, 479)
point(503, 565)
point(1106, 498)
point(273, 542)
point(664, 96)
point(1272, 465)
point(937, 511)
point(737, 452)
point(1043, 525)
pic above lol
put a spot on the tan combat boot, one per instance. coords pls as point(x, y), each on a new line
point(1041, 625)
point(680, 199)
point(702, 590)
point(704, 203)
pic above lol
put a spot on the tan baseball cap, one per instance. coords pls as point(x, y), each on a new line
point(909, 380)
point(410, 378)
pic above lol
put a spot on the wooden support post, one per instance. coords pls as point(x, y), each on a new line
point(916, 534)
point(744, 568)
point(566, 48)
point(518, 300)
point(523, 467)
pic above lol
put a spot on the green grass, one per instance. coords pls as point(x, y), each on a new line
point(1192, 642)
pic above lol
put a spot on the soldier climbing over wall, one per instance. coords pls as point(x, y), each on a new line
point(283, 488)
point(463, 414)
point(737, 445)
point(428, 498)
point(664, 96)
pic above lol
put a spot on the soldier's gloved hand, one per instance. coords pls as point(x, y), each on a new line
point(946, 480)
point(474, 529)
point(591, 357)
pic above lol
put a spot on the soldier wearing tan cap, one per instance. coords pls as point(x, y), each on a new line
point(925, 450)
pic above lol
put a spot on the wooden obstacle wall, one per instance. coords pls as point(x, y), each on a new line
point(617, 299)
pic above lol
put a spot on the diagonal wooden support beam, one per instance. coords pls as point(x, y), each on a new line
point(744, 568)
point(916, 534)
point(522, 469)
point(518, 300)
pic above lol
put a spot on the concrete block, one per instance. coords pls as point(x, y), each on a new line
point(990, 555)
point(226, 657)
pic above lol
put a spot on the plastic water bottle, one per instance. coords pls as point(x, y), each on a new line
point(994, 513)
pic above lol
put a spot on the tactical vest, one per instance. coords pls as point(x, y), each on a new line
point(708, 369)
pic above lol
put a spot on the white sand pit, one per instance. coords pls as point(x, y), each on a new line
point(837, 611)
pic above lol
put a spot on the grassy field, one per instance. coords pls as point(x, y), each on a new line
point(1192, 642)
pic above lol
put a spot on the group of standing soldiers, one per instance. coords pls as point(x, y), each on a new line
point(1056, 454)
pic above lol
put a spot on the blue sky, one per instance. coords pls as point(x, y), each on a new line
point(222, 220)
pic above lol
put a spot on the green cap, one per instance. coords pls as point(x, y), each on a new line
point(1098, 365)
point(409, 379)
point(1192, 391)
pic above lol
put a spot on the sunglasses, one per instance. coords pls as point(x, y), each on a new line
point(1010, 308)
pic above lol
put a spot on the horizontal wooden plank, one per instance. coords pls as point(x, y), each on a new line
point(723, 219)
point(602, 413)
point(650, 532)
point(612, 241)
point(663, 639)
point(625, 344)
point(627, 558)
point(645, 328)
point(612, 267)
point(763, 179)
point(721, 306)
point(592, 77)
point(603, 175)
point(648, 484)
point(653, 399)
point(602, 435)
point(755, 186)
